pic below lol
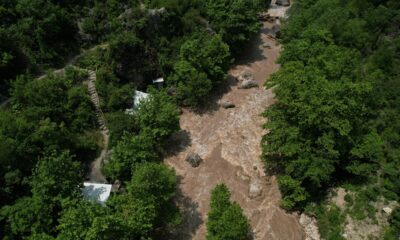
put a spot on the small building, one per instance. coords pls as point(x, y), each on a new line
point(96, 192)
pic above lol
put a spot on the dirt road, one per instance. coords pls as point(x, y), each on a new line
point(229, 142)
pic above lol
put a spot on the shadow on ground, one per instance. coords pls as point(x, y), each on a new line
point(212, 103)
point(177, 143)
point(257, 53)
point(191, 218)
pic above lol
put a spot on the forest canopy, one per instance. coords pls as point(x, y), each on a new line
point(336, 121)
point(49, 129)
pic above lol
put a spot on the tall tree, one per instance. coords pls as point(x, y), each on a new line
point(226, 220)
point(235, 20)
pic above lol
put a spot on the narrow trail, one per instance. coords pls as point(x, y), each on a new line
point(95, 174)
point(5, 103)
point(228, 140)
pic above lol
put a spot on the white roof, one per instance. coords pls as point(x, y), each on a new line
point(139, 97)
point(158, 80)
point(96, 192)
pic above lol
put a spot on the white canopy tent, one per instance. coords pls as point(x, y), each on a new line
point(137, 99)
point(96, 192)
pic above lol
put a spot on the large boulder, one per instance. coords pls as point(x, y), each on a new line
point(248, 84)
point(116, 187)
point(227, 104)
point(255, 190)
point(387, 210)
point(246, 80)
point(284, 3)
point(310, 227)
point(194, 159)
point(245, 75)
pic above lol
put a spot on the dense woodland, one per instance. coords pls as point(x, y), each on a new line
point(336, 122)
point(48, 129)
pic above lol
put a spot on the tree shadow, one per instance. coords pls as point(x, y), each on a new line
point(177, 143)
point(211, 104)
point(253, 51)
point(191, 217)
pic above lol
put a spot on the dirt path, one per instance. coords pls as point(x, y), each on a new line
point(94, 175)
point(5, 103)
point(229, 142)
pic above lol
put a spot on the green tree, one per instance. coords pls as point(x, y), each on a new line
point(129, 152)
point(204, 61)
point(192, 85)
point(16, 160)
point(208, 54)
point(226, 220)
point(54, 180)
point(158, 116)
point(145, 206)
point(57, 176)
point(84, 220)
point(156, 185)
point(119, 123)
point(335, 118)
point(130, 57)
point(235, 20)
point(294, 194)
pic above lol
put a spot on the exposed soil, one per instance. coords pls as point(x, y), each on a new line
point(95, 175)
point(228, 140)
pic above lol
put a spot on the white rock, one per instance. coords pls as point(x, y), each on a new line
point(387, 210)
point(227, 104)
point(255, 190)
point(310, 227)
point(246, 84)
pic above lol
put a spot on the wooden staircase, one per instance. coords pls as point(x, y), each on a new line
point(95, 174)
point(96, 100)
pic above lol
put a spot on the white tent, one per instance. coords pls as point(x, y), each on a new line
point(96, 192)
point(137, 99)
point(158, 80)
